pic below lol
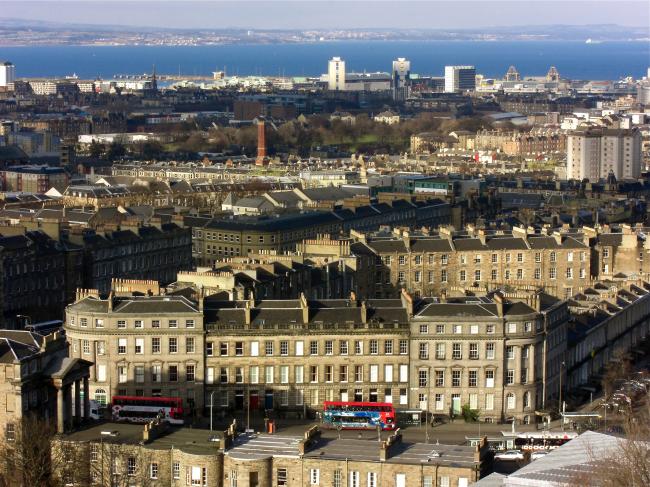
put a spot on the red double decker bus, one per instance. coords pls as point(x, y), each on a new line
point(359, 415)
point(138, 409)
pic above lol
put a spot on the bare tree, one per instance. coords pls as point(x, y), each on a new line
point(27, 457)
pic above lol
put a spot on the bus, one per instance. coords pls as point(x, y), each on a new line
point(543, 440)
point(137, 409)
point(359, 415)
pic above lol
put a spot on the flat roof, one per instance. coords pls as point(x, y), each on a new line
point(409, 453)
point(190, 440)
point(260, 446)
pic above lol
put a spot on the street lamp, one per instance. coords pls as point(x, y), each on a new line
point(211, 404)
point(559, 407)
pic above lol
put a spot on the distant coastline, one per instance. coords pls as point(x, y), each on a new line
point(574, 59)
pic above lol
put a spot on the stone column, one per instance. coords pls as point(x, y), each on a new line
point(86, 399)
point(67, 393)
point(77, 402)
point(60, 417)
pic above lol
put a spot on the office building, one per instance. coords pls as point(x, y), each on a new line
point(598, 153)
point(336, 74)
point(401, 77)
point(459, 78)
point(7, 73)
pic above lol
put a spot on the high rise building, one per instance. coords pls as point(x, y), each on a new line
point(7, 73)
point(336, 74)
point(401, 77)
point(459, 78)
point(594, 154)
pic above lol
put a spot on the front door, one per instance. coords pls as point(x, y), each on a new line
point(239, 400)
point(268, 399)
point(455, 403)
point(255, 400)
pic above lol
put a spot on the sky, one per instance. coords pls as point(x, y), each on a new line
point(348, 14)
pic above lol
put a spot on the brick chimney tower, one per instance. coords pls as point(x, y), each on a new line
point(261, 160)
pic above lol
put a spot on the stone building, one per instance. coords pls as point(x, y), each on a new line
point(427, 265)
point(201, 458)
point(295, 354)
point(496, 355)
point(37, 377)
point(141, 343)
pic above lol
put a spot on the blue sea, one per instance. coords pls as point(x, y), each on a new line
point(575, 60)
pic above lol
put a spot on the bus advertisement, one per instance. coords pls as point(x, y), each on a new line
point(359, 415)
point(136, 409)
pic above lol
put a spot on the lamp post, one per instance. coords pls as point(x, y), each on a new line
point(211, 404)
point(426, 415)
point(559, 407)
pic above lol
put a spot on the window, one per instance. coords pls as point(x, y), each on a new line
point(268, 374)
point(139, 373)
point(455, 378)
point(83, 322)
point(189, 373)
point(489, 402)
point(358, 373)
point(173, 345)
point(440, 329)
point(121, 323)
point(423, 350)
point(173, 323)
point(155, 345)
point(403, 347)
point(388, 373)
point(403, 373)
point(402, 260)
point(138, 324)
point(338, 477)
point(439, 401)
point(313, 347)
point(153, 470)
point(524, 376)
point(121, 346)
point(510, 352)
point(313, 373)
point(223, 348)
point(538, 273)
point(239, 349)
point(553, 257)
point(284, 348)
point(456, 351)
point(510, 377)
point(343, 373)
point(354, 479)
point(10, 432)
point(489, 378)
point(189, 323)
point(176, 470)
point(388, 347)
point(440, 351)
point(440, 378)
point(473, 378)
point(156, 373)
point(520, 274)
point(299, 374)
point(477, 275)
point(173, 373)
point(569, 273)
point(510, 401)
point(489, 350)
point(512, 327)
point(343, 347)
point(99, 323)
point(268, 348)
point(139, 345)
point(284, 374)
point(329, 347)
point(130, 466)
point(85, 347)
point(155, 323)
point(423, 377)
point(417, 276)
point(374, 347)
point(443, 275)
point(462, 276)
point(473, 329)
point(282, 478)
point(473, 351)
point(314, 476)
point(458, 329)
point(372, 479)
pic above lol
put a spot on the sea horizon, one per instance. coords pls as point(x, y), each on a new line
point(611, 60)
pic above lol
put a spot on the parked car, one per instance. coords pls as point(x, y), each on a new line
point(538, 454)
point(509, 455)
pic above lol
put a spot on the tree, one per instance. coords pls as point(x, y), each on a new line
point(115, 151)
point(96, 149)
point(469, 415)
point(27, 458)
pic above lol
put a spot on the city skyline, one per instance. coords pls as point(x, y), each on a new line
point(295, 15)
